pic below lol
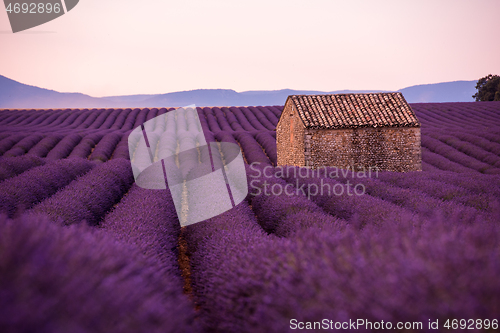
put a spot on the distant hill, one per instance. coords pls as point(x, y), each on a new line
point(214, 97)
point(18, 95)
point(456, 91)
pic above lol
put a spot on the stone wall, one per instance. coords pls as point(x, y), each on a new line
point(290, 137)
point(387, 148)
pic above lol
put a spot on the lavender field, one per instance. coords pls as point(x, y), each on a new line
point(84, 249)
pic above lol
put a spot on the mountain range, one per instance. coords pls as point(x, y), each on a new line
point(14, 94)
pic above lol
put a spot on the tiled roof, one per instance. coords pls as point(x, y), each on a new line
point(354, 110)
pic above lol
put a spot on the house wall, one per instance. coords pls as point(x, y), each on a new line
point(392, 149)
point(290, 137)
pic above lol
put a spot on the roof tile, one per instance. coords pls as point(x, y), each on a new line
point(355, 110)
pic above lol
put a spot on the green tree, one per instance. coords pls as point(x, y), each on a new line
point(488, 88)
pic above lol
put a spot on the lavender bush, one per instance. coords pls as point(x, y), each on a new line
point(22, 192)
point(45, 145)
point(9, 142)
point(105, 148)
point(415, 246)
point(86, 146)
point(13, 166)
point(90, 196)
point(64, 147)
point(82, 280)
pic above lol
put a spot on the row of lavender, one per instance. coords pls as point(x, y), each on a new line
point(450, 115)
point(104, 145)
point(232, 119)
point(293, 252)
point(287, 270)
point(91, 125)
point(309, 255)
point(41, 180)
point(469, 116)
point(121, 275)
point(455, 151)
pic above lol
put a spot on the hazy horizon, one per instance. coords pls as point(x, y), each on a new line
point(117, 48)
point(242, 91)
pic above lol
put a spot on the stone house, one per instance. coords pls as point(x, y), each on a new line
point(349, 130)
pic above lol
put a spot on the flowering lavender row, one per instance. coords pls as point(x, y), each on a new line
point(250, 114)
point(431, 118)
point(128, 121)
point(260, 118)
point(490, 136)
point(252, 150)
point(37, 119)
point(237, 120)
point(264, 117)
point(99, 121)
point(280, 208)
point(276, 110)
point(426, 167)
point(82, 280)
point(111, 120)
point(269, 144)
point(209, 135)
point(23, 146)
point(44, 146)
point(478, 140)
point(270, 115)
point(25, 117)
point(214, 245)
point(10, 117)
point(118, 119)
point(90, 196)
point(451, 115)
point(442, 163)
point(414, 200)
point(72, 115)
point(64, 147)
point(13, 166)
point(441, 190)
point(441, 118)
point(85, 147)
point(347, 200)
point(236, 117)
point(9, 142)
point(211, 120)
point(105, 148)
point(62, 118)
point(88, 120)
point(227, 137)
point(141, 118)
point(85, 119)
point(121, 150)
point(147, 219)
point(221, 119)
point(22, 192)
point(336, 274)
point(189, 158)
point(440, 148)
point(475, 183)
point(49, 120)
point(43, 121)
point(469, 149)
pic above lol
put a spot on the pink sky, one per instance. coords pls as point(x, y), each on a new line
point(121, 47)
